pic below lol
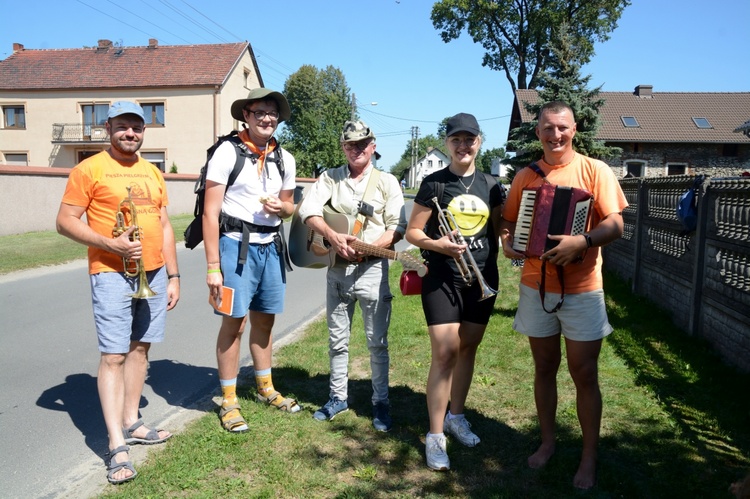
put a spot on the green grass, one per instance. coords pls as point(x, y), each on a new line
point(38, 249)
point(676, 420)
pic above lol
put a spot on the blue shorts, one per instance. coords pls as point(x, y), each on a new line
point(260, 283)
point(582, 317)
point(121, 319)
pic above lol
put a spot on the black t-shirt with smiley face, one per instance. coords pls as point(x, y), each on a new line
point(471, 210)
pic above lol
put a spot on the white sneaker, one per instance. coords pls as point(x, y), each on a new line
point(437, 457)
point(460, 428)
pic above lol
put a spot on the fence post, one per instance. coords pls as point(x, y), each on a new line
point(699, 246)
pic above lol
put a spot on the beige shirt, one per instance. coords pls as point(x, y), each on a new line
point(336, 188)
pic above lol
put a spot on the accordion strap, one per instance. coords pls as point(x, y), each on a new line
point(561, 277)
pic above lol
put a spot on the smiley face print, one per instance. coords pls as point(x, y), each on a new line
point(470, 212)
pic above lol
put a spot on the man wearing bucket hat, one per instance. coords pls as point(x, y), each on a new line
point(114, 182)
point(244, 251)
point(373, 200)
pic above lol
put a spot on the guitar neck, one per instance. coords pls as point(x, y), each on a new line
point(371, 250)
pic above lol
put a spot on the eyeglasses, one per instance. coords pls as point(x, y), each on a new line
point(359, 146)
point(259, 115)
point(458, 141)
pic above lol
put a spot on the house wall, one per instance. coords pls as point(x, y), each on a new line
point(700, 158)
point(701, 279)
point(194, 117)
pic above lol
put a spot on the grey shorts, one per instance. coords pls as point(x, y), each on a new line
point(582, 317)
point(120, 319)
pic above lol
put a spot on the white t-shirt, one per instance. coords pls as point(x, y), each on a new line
point(242, 199)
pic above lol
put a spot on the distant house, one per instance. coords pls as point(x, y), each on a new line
point(54, 102)
point(434, 160)
point(668, 133)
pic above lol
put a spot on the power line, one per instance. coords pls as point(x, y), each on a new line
point(146, 20)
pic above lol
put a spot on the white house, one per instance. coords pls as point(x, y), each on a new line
point(433, 161)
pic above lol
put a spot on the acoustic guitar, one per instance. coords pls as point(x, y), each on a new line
point(309, 249)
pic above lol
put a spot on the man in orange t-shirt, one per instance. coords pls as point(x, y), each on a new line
point(582, 318)
point(126, 325)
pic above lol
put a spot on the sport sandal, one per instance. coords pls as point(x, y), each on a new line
point(113, 466)
point(231, 419)
point(283, 404)
point(152, 437)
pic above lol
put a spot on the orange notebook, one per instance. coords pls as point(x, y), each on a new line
point(226, 301)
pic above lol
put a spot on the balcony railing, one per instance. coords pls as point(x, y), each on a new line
point(63, 133)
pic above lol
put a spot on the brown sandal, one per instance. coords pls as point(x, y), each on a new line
point(232, 420)
point(275, 399)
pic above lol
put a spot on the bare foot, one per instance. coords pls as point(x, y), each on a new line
point(541, 456)
point(586, 474)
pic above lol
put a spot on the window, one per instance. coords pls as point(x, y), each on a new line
point(729, 150)
point(14, 117)
point(677, 168)
point(702, 122)
point(156, 157)
point(94, 118)
point(154, 113)
point(630, 121)
point(247, 74)
point(429, 163)
point(17, 159)
point(440, 164)
point(635, 168)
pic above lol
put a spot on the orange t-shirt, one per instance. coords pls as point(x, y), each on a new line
point(582, 172)
point(99, 184)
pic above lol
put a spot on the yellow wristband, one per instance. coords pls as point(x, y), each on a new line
point(213, 271)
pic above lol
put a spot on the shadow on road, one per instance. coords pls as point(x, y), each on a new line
point(78, 396)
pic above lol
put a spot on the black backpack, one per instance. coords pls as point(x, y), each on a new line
point(194, 232)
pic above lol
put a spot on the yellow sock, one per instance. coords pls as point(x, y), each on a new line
point(229, 393)
point(264, 383)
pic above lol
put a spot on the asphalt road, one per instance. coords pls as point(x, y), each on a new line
point(52, 431)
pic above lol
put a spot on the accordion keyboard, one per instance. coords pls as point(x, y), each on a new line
point(525, 218)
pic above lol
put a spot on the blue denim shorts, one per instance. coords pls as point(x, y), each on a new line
point(582, 317)
point(119, 318)
point(260, 283)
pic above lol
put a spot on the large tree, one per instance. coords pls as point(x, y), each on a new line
point(321, 103)
point(515, 33)
point(563, 82)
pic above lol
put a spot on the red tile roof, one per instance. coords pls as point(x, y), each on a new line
point(666, 116)
point(118, 67)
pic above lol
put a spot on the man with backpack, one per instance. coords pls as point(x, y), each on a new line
point(244, 249)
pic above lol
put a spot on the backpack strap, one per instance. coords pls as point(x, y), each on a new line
point(247, 227)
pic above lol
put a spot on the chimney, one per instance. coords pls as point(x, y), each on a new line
point(17, 47)
point(644, 91)
point(153, 43)
point(104, 45)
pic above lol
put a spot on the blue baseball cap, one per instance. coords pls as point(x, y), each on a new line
point(125, 107)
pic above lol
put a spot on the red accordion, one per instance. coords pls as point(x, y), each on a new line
point(550, 209)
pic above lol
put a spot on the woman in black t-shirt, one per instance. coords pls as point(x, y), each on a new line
point(455, 312)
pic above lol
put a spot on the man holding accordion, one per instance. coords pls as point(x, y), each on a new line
point(561, 289)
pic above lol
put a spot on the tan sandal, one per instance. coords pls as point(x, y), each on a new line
point(232, 420)
point(275, 399)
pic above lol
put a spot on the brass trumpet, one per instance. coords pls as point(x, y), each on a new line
point(466, 264)
point(133, 268)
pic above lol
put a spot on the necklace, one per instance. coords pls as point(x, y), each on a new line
point(473, 177)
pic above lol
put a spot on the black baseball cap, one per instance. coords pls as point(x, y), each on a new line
point(462, 122)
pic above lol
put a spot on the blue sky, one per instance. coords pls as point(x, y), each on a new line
point(390, 53)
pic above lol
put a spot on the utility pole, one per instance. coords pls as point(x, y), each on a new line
point(354, 107)
point(414, 151)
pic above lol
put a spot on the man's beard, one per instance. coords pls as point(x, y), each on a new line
point(127, 147)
